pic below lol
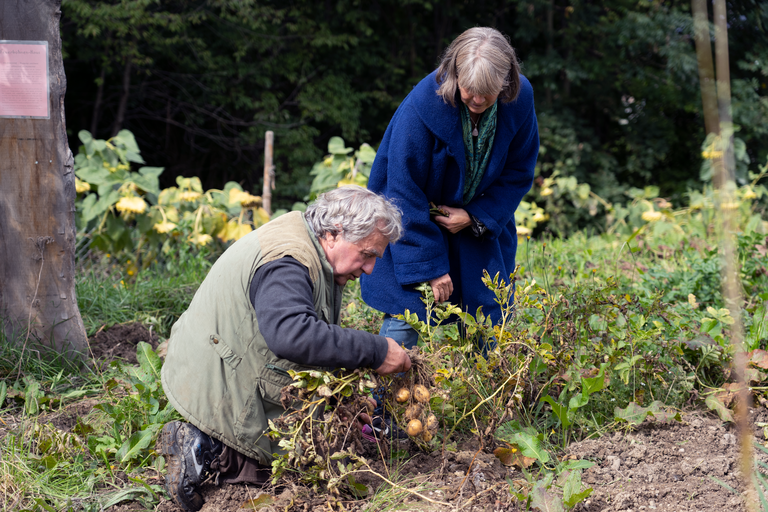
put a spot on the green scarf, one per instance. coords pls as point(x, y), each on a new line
point(477, 150)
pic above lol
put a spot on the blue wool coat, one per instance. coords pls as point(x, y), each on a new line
point(421, 159)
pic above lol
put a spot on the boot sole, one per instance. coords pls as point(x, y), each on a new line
point(170, 443)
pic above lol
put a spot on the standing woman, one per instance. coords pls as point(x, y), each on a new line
point(465, 139)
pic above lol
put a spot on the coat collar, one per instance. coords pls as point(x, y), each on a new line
point(444, 121)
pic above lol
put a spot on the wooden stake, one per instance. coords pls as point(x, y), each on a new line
point(269, 172)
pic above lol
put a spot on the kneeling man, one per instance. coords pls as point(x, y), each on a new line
point(271, 303)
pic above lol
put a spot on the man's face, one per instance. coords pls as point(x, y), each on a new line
point(349, 260)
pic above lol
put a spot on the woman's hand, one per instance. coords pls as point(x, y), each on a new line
point(457, 219)
point(442, 288)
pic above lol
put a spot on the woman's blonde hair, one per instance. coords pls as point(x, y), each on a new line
point(482, 61)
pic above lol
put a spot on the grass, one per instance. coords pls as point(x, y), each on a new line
point(158, 295)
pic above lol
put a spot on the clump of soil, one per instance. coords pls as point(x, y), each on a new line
point(119, 342)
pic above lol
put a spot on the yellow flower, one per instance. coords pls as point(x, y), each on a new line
point(164, 227)
point(522, 231)
point(546, 192)
point(189, 196)
point(245, 199)
point(539, 217)
point(711, 154)
point(651, 216)
point(201, 239)
point(131, 205)
point(729, 206)
point(749, 193)
point(81, 186)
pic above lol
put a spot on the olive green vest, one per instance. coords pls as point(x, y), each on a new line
point(219, 373)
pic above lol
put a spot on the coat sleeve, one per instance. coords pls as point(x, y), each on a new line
point(403, 176)
point(495, 207)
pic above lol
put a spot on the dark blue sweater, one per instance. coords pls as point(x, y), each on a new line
point(421, 159)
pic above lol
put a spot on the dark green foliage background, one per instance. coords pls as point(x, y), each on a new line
point(616, 81)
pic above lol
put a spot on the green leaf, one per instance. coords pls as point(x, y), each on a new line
point(127, 140)
point(716, 405)
point(84, 136)
point(336, 146)
point(560, 411)
point(572, 493)
point(578, 400)
point(591, 385)
point(578, 464)
point(530, 445)
point(102, 205)
point(545, 501)
point(358, 489)
point(134, 445)
point(96, 176)
point(148, 360)
point(633, 414)
point(3, 393)
point(574, 499)
point(31, 395)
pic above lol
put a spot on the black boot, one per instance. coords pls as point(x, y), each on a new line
point(189, 453)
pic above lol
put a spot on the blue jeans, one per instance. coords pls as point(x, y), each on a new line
point(399, 331)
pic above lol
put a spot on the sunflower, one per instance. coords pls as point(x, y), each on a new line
point(131, 204)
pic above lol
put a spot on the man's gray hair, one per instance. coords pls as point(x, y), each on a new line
point(354, 212)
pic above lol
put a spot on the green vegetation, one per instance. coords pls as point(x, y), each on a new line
point(606, 331)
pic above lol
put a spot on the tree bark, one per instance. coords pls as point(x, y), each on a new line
point(37, 202)
point(124, 98)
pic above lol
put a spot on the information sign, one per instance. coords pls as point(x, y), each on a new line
point(24, 86)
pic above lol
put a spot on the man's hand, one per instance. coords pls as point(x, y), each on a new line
point(442, 288)
point(396, 361)
point(457, 219)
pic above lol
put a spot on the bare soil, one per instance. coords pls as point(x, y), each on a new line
point(119, 342)
point(664, 467)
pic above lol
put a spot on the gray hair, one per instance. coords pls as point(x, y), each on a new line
point(354, 212)
point(482, 61)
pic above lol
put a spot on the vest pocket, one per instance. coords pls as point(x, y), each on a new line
point(225, 353)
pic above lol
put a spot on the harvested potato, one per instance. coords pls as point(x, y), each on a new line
point(402, 395)
point(431, 424)
point(421, 393)
point(426, 436)
point(414, 428)
point(413, 411)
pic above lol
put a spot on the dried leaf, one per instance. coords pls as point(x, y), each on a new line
point(758, 358)
point(511, 456)
point(263, 500)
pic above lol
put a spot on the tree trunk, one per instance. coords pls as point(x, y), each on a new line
point(123, 99)
point(37, 202)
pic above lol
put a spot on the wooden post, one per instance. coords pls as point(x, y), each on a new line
point(37, 200)
point(269, 172)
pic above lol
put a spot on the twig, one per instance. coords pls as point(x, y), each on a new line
point(469, 469)
point(393, 484)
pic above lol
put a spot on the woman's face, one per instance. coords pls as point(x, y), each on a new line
point(476, 103)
